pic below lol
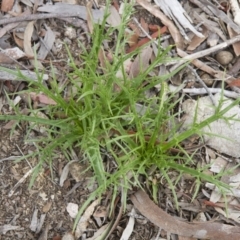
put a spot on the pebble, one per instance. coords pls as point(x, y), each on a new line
point(207, 79)
point(224, 57)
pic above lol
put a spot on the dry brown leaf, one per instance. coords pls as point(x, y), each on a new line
point(236, 46)
point(132, 39)
point(141, 62)
point(84, 220)
point(144, 25)
point(5, 59)
point(11, 123)
point(27, 39)
point(79, 171)
point(145, 40)
point(102, 58)
point(135, 28)
point(41, 98)
point(65, 172)
point(212, 39)
point(17, 40)
point(196, 41)
point(114, 18)
point(130, 226)
point(47, 44)
point(121, 72)
point(235, 83)
point(233, 214)
point(58, 237)
point(101, 211)
point(160, 218)
point(101, 232)
point(89, 16)
point(27, 2)
point(7, 5)
point(134, 35)
point(165, 20)
point(47, 207)
point(116, 4)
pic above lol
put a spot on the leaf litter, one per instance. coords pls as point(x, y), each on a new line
point(212, 30)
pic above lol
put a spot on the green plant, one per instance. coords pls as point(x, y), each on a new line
point(98, 116)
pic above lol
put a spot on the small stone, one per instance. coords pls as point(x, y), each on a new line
point(207, 79)
point(224, 57)
point(72, 209)
point(70, 33)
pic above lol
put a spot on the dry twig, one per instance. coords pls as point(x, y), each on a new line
point(34, 17)
point(206, 52)
point(213, 49)
point(201, 230)
point(199, 91)
point(203, 84)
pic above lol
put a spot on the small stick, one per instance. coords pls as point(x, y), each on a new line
point(207, 51)
point(203, 84)
point(143, 30)
point(212, 90)
point(11, 158)
point(34, 17)
point(19, 149)
point(23, 178)
point(20, 182)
